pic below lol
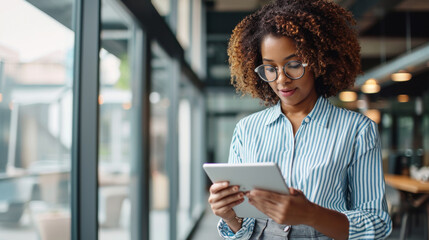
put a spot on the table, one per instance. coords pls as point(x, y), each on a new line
point(405, 183)
point(414, 195)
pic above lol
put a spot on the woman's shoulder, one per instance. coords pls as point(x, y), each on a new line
point(354, 118)
point(257, 118)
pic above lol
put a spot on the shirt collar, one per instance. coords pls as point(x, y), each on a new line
point(274, 114)
point(320, 112)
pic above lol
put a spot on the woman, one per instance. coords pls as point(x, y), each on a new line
point(293, 54)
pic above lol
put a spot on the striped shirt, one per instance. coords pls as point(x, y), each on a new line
point(334, 159)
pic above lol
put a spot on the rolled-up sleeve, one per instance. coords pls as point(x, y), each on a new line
point(248, 223)
point(367, 214)
point(243, 234)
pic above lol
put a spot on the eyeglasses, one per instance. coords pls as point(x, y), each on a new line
point(293, 70)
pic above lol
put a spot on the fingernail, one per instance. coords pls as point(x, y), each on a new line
point(224, 183)
point(235, 189)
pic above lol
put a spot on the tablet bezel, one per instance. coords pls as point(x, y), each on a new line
point(248, 176)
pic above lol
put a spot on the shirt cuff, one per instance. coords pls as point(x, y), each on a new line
point(244, 233)
point(364, 225)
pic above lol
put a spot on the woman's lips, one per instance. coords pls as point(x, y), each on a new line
point(287, 93)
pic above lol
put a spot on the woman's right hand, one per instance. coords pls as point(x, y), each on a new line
point(223, 198)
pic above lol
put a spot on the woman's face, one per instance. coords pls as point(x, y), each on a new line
point(277, 51)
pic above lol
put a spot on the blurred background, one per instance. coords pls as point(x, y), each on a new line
point(145, 85)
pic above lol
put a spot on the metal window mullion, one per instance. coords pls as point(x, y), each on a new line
point(84, 196)
point(140, 171)
point(173, 16)
point(203, 43)
point(172, 147)
point(188, 53)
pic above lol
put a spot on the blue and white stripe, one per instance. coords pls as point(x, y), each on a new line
point(334, 158)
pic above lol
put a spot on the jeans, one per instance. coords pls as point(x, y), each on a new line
point(267, 229)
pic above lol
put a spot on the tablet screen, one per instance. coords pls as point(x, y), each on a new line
point(248, 176)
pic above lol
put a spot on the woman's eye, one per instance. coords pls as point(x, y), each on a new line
point(270, 69)
point(294, 65)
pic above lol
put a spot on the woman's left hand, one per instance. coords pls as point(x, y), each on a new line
point(289, 209)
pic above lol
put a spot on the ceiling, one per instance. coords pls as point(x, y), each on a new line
point(388, 29)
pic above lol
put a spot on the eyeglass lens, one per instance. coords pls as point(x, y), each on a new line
point(293, 70)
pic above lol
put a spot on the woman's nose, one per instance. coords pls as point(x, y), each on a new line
point(283, 78)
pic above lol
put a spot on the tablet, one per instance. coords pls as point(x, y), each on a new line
point(248, 176)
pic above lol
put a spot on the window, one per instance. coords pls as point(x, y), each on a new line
point(183, 22)
point(117, 75)
point(36, 81)
point(160, 99)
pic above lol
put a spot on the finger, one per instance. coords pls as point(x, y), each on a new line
point(263, 203)
point(230, 205)
point(266, 195)
point(223, 193)
point(227, 200)
point(267, 208)
point(271, 210)
point(218, 186)
point(295, 192)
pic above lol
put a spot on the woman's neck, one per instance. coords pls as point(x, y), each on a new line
point(301, 109)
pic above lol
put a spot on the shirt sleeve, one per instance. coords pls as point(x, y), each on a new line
point(368, 216)
point(243, 234)
point(248, 224)
point(236, 147)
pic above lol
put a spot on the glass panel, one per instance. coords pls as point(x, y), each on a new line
point(184, 221)
point(36, 102)
point(199, 155)
point(163, 7)
point(405, 133)
point(183, 23)
point(218, 69)
point(225, 110)
point(115, 121)
point(425, 140)
point(198, 45)
point(160, 105)
point(386, 141)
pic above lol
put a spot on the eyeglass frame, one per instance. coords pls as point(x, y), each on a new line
point(304, 65)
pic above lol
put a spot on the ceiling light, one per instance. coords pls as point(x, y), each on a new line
point(370, 86)
point(403, 98)
point(348, 96)
point(401, 76)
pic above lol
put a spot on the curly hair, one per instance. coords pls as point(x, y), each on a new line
point(324, 35)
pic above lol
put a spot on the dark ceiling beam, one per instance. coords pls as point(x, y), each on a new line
point(58, 10)
point(368, 12)
point(153, 23)
point(223, 22)
point(394, 24)
point(416, 58)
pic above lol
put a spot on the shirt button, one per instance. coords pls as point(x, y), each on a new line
point(307, 120)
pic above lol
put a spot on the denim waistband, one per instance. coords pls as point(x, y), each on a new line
point(267, 229)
